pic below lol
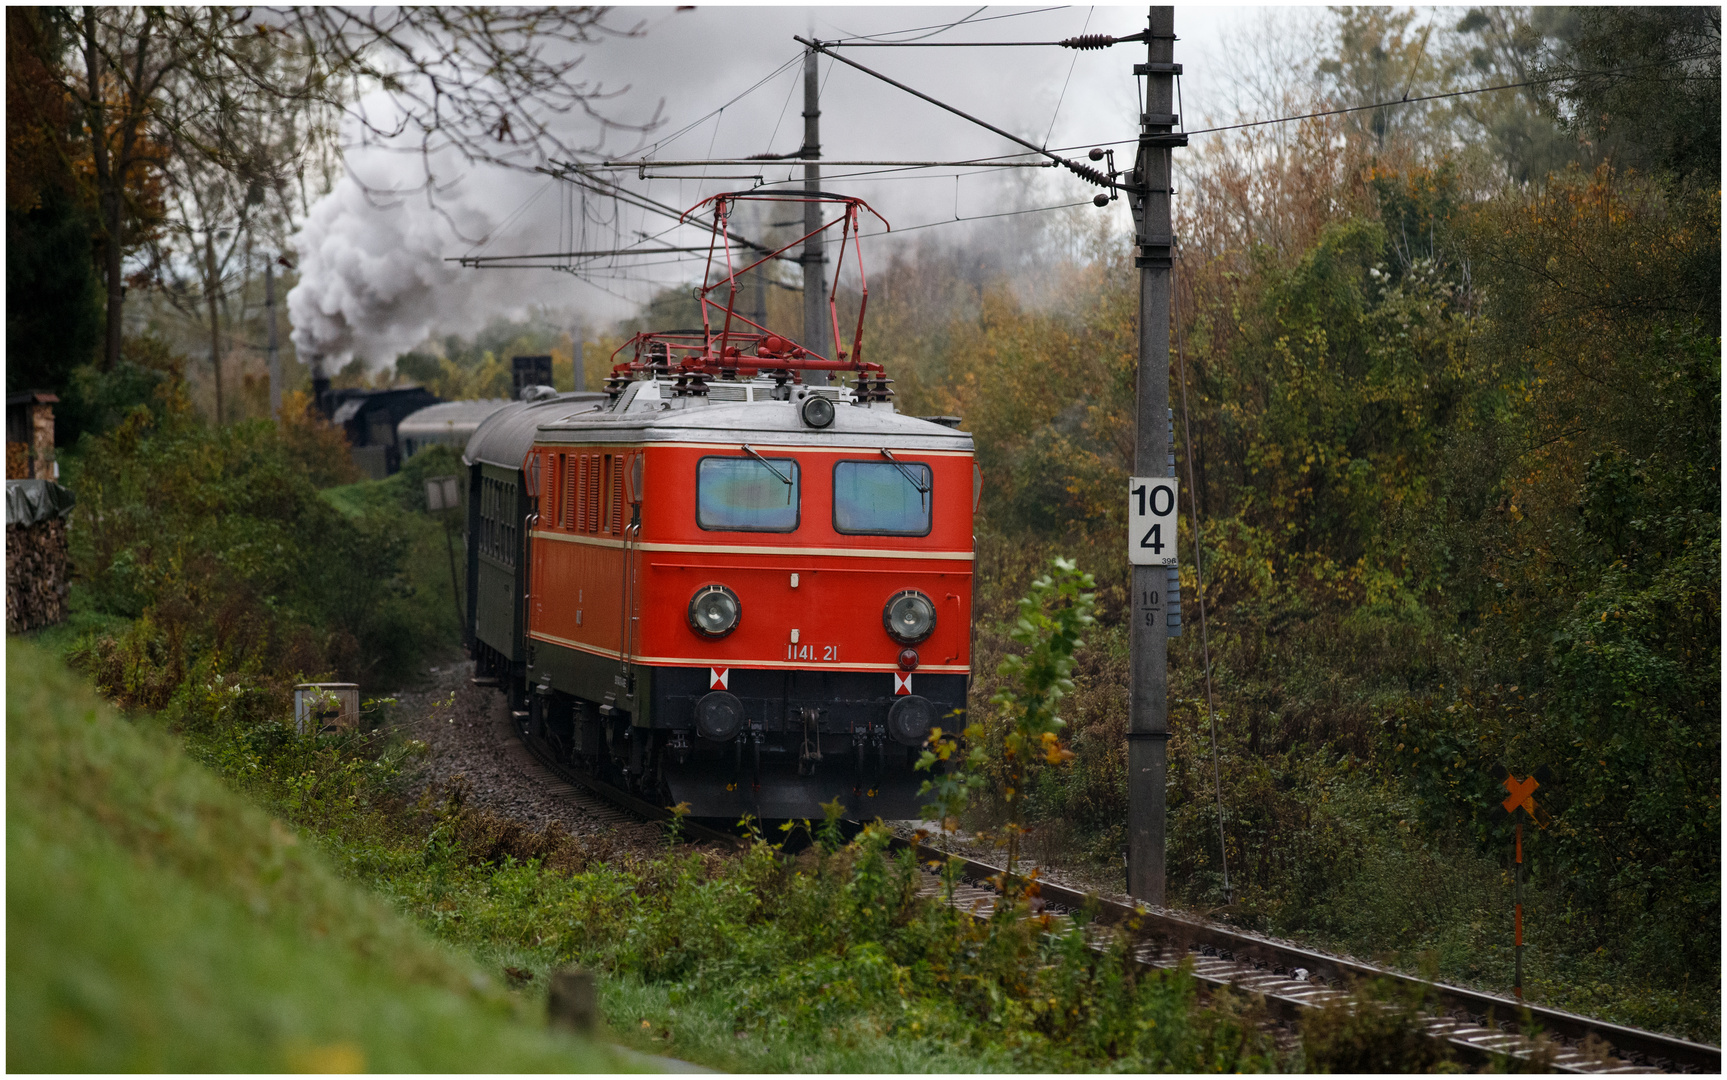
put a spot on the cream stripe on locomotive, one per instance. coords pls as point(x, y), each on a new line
point(744, 665)
point(739, 549)
point(865, 441)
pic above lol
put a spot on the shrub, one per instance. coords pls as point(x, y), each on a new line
point(1376, 1029)
point(220, 546)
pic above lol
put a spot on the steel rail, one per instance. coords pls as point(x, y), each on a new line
point(1225, 955)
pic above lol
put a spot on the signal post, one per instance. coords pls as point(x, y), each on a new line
point(1156, 606)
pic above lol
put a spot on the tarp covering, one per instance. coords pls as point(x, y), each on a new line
point(31, 501)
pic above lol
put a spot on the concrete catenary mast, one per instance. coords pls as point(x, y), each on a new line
point(1156, 589)
point(816, 333)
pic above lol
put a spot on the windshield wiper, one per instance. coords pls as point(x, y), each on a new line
point(783, 478)
point(910, 477)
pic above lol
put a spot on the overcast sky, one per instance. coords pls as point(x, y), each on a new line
point(373, 276)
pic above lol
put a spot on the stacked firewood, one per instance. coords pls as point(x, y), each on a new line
point(38, 572)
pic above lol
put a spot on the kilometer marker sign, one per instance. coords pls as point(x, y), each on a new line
point(1151, 521)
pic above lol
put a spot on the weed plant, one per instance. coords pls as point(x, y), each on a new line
point(1460, 510)
point(227, 561)
point(833, 959)
point(1375, 1029)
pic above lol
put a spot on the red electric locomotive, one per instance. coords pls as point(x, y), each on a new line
point(722, 585)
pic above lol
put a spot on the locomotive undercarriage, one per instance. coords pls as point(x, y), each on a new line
point(804, 738)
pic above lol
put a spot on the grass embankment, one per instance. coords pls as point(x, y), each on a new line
point(157, 921)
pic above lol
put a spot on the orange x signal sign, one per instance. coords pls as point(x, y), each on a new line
point(1522, 794)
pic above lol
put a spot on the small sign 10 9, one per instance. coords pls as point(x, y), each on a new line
point(1151, 521)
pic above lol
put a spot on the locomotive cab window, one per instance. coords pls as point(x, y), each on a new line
point(882, 498)
point(747, 494)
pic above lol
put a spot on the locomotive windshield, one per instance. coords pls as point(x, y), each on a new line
point(882, 498)
point(746, 495)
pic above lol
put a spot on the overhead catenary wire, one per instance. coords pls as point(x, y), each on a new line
point(791, 92)
point(1085, 172)
point(1067, 81)
point(483, 260)
point(1400, 101)
point(699, 121)
point(493, 262)
point(1005, 159)
point(577, 174)
point(980, 217)
point(1054, 155)
point(959, 44)
point(1083, 42)
point(969, 20)
point(914, 173)
point(507, 222)
point(619, 194)
point(1324, 112)
point(693, 163)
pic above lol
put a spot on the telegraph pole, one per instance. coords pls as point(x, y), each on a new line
point(1153, 602)
point(814, 263)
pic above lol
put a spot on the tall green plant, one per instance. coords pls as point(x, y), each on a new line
point(1059, 607)
point(1051, 618)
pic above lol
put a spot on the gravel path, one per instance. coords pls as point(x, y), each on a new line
point(468, 733)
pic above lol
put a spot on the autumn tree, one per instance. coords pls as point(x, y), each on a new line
point(1644, 83)
point(232, 103)
point(53, 314)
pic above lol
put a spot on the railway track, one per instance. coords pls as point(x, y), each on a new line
point(1481, 1028)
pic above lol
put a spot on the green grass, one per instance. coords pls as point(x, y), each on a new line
point(158, 921)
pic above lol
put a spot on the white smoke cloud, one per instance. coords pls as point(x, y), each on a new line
point(373, 277)
point(373, 280)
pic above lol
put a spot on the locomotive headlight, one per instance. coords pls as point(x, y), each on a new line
point(714, 611)
point(909, 617)
point(818, 412)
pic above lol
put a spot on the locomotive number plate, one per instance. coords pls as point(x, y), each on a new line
point(827, 654)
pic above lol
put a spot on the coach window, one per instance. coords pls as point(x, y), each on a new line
point(747, 494)
point(882, 498)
